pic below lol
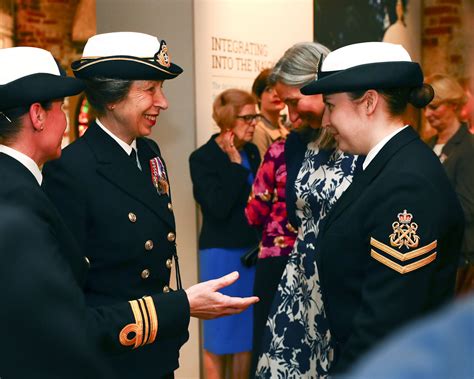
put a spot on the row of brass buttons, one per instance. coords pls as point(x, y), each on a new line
point(133, 217)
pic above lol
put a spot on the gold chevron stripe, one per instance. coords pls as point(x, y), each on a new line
point(153, 318)
point(403, 269)
point(400, 256)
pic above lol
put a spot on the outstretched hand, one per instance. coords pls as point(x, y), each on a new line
point(206, 303)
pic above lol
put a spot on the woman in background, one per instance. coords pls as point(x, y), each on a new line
point(269, 127)
point(454, 145)
point(222, 172)
point(317, 175)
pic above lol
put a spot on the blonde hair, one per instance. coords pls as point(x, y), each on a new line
point(447, 89)
point(228, 104)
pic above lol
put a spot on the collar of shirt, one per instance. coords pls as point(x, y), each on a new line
point(125, 146)
point(375, 150)
point(25, 160)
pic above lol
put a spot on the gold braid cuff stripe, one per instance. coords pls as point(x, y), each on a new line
point(403, 269)
point(400, 256)
point(145, 316)
point(153, 318)
point(145, 327)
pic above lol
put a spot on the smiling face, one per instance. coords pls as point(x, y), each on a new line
point(136, 115)
point(301, 109)
point(343, 118)
point(243, 130)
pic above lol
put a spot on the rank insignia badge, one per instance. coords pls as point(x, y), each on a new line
point(158, 176)
point(404, 236)
point(404, 232)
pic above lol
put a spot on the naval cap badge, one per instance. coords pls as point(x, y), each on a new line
point(162, 56)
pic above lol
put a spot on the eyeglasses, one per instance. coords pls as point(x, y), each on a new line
point(249, 118)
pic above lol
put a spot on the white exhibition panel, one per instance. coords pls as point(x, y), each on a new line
point(235, 39)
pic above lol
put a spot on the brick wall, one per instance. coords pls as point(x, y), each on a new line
point(48, 24)
point(444, 43)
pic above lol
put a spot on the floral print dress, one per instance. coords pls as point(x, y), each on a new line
point(297, 339)
point(266, 207)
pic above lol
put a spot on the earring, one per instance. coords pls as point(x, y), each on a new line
point(41, 128)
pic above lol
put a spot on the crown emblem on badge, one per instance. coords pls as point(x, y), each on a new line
point(405, 218)
point(162, 56)
point(404, 231)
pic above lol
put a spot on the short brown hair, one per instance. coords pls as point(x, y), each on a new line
point(228, 104)
point(261, 83)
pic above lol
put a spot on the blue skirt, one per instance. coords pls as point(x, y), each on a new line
point(229, 334)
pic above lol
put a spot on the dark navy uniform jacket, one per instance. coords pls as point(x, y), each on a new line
point(388, 249)
point(363, 308)
point(127, 231)
point(44, 316)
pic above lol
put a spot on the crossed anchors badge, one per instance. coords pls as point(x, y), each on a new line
point(404, 232)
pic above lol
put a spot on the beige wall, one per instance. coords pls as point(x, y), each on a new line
point(172, 21)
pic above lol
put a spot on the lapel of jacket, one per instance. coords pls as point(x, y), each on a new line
point(114, 165)
point(455, 140)
point(363, 179)
point(42, 206)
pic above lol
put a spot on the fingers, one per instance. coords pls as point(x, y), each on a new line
point(224, 281)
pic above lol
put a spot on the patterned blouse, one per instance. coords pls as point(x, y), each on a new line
point(266, 206)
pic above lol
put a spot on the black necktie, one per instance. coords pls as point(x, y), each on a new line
point(133, 158)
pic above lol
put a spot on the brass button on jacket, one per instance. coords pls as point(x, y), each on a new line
point(170, 207)
point(171, 237)
point(166, 289)
point(148, 245)
point(169, 263)
point(145, 274)
point(132, 217)
point(88, 262)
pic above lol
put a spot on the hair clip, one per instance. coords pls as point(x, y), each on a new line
point(4, 115)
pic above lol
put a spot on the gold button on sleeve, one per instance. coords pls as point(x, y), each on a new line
point(166, 289)
point(171, 237)
point(169, 263)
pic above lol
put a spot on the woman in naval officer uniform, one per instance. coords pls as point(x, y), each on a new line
point(388, 249)
point(111, 186)
point(43, 312)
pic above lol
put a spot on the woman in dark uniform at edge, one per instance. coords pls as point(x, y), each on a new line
point(111, 187)
point(43, 311)
point(389, 248)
